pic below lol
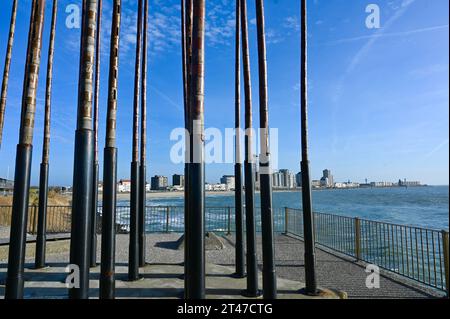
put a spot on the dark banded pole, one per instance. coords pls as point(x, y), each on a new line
point(195, 229)
point(185, 105)
point(268, 249)
point(143, 165)
point(133, 249)
point(308, 225)
point(8, 56)
point(238, 194)
point(252, 262)
point(187, 52)
point(80, 240)
point(108, 256)
point(43, 179)
point(17, 239)
point(93, 258)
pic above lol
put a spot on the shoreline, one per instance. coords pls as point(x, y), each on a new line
point(163, 195)
point(66, 199)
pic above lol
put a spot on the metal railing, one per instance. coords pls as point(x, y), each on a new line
point(157, 219)
point(58, 218)
point(417, 253)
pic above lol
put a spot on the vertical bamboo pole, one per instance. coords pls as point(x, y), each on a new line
point(187, 28)
point(308, 226)
point(43, 181)
point(108, 256)
point(15, 280)
point(133, 258)
point(143, 164)
point(196, 222)
point(252, 262)
point(238, 193)
point(185, 94)
point(269, 274)
point(80, 240)
point(93, 258)
point(9, 47)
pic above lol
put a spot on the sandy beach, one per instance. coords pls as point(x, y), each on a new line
point(164, 195)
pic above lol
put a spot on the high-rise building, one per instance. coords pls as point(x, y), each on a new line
point(159, 183)
point(283, 179)
point(298, 179)
point(178, 180)
point(277, 180)
point(229, 181)
point(327, 180)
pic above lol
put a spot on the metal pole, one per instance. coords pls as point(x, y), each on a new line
point(268, 249)
point(8, 56)
point(84, 158)
point(43, 180)
point(357, 238)
point(229, 221)
point(33, 229)
point(108, 256)
point(252, 263)
point(286, 220)
point(16, 260)
point(308, 223)
point(196, 223)
point(93, 257)
point(446, 259)
point(143, 169)
point(167, 219)
point(187, 55)
point(238, 193)
point(133, 258)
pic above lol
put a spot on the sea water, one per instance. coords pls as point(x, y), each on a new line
point(416, 206)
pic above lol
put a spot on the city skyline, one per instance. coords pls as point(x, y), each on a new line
point(210, 181)
point(381, 112)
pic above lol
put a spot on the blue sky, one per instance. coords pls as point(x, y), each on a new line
point(378, 97)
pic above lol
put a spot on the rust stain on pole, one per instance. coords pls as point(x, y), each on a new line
point(137, 85)
point(29, 97)
point(48, 89)
point(85, 89)
point(12, 28)
point(189, 26)
point(97, 78)
point(111, 114)
point(184, 57)
point(247, 82)
point(144, 88)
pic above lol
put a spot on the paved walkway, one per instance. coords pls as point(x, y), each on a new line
point(333, 272)
point(340, 273)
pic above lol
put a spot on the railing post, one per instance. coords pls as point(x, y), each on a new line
point(229, 221)
point(35, 215)
point(167, 219)
point(357, 238)
point(286, 220)
point(446, 258)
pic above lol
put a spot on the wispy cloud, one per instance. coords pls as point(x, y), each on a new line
point(292, 23)
point(386, 35)
point(436, 149)
point(167, 98)
point(359, 56)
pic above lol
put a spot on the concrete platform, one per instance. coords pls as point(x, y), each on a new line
point(159, 281)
